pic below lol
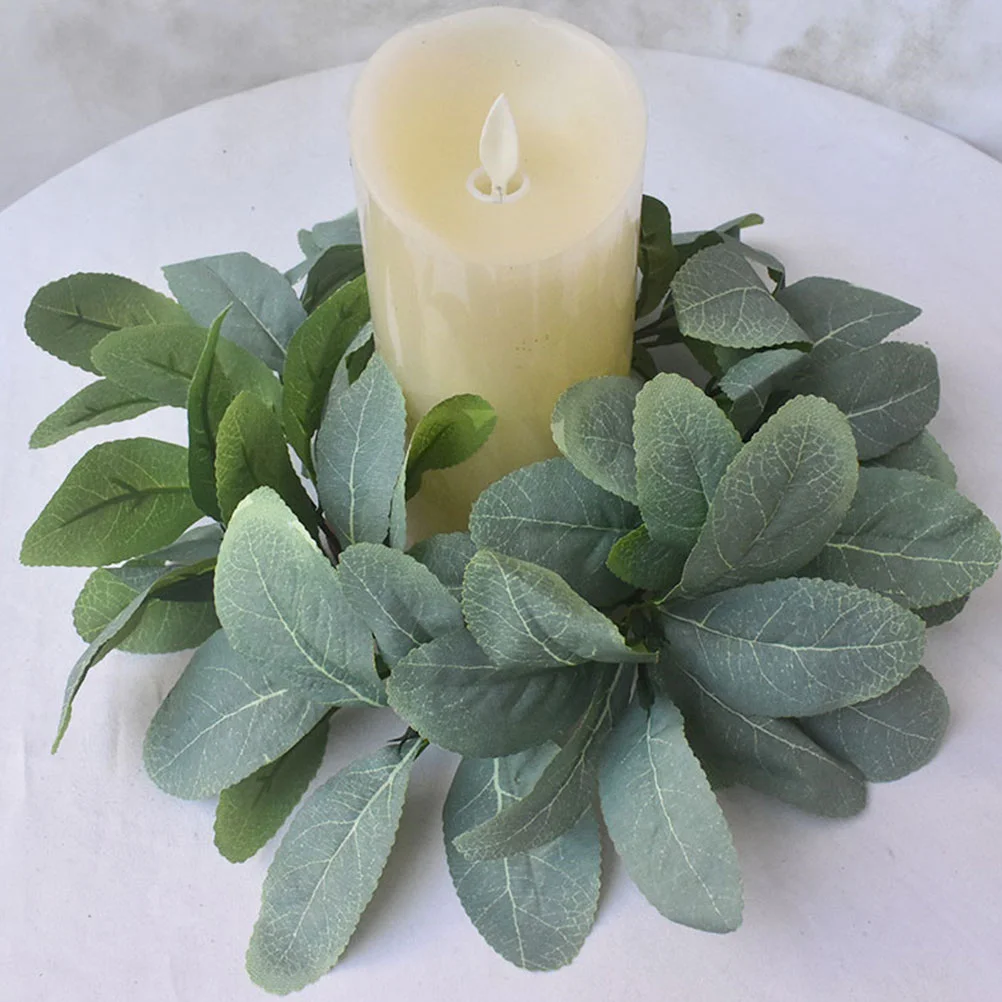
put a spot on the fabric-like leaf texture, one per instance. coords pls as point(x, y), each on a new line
point(644, 562)
point(224, 719)
point(446, 556)
point(534, 908)
point(326, 870)
point(921, 454)
point(749, 382)
point(666, 823)
point(890, 736)
point(96, 404)
point(794, 647)
point(282, 605)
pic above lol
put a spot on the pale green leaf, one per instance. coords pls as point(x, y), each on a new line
point(96, 404)
point(552, 515)
point(335, 267)
point(250, 813)
point(400, 600)
point(526, 616)
point(749, 382)
point(359, 453)
point(780, 500)
point(665, 822)
point(326, 870)
point(535, 908)
point(282, 605)
point(644, 562)
point(67, 318)
point(397, 537)
point(446, 556)
point(120, 500)
point(912, 538)
point(921, 454)
point(890, 736)
point(198, 543)
point(794, 647)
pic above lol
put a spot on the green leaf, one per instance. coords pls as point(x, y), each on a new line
point(644, 562)
point(750, 381)
point(446, 556)
point(772, 756)
point(593, 427)
point(719, 298)
point(666, 823)
point(334, 268)
point(225, 718)
point(779, 501)
point(684, 444)
point(113, 634)
point(251, 812)
point(911, 538)
point(397, 537)
point(452, 694)
point(536, 908)
point(67, 318)
point(358, 358)
point(120, 500)
point(526, 616)
point(314, 241)
point(251, 453)
point(449, 434)
point(197, 544)
point(921, 454)
point(550, 514)
point(564, 790)
point(399, 599)
point(209, 394)
point(282, 605)
point(359, 453)
point(96, 404)
point(839, 317)
point(937, 615)
point(161, 626)
point(264, 310)
point(889, 393)
point(326, 870)
point(659, 259)
point(890, 736)
point(315, 351)
point(794, 647)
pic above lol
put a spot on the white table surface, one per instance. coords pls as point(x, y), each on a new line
point(110, 890)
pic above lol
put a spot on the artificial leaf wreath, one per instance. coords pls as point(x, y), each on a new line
point(722, 581)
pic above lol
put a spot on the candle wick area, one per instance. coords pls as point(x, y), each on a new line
point(483, 189)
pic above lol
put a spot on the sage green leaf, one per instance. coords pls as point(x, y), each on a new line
point(446, 556)
point(282, 605)
point(772, 756)
point(449, 434)
point(645, 563)
point(665, 821)
point(96, 404)
point(397, 537)
point(684, 445)
point(550, 514)
point(749, 382)
point(326, 870)
point(719, 298)
point(564, 789)
point(358, 358)
point(452, 694)
point(398, 598)
point(359, 453)
point(839, 317)
point(161, 626)
point(921, 454)
point(120, 500)
point(67, 318)
point(115, 633)
point(250, 813)
point(912, 538)
point(889, 393)
point(780, 500)
point(251, 453)
point(264, 310)
point(526, 616)
point(659, 259)
point(314, 241)
point(593, 427)
point(535, 908)
point(197, 544)
point(315, 351)
point(937, 615)
point(225, 718)
point(335, 267)
point(890, 736)
point(794, 647)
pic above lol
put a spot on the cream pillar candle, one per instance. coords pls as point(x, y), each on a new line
point(513, 295)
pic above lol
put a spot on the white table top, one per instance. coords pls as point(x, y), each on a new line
point(112, 890)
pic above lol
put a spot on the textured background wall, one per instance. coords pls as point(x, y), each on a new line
point(77, 74)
